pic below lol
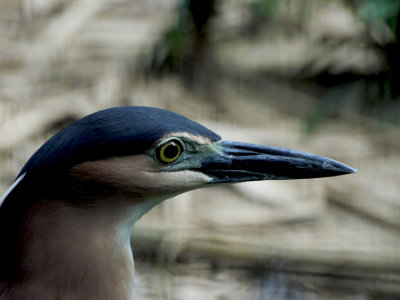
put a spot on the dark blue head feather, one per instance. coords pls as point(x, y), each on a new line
point(111, 132)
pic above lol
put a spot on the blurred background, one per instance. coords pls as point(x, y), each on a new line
point(321, 76)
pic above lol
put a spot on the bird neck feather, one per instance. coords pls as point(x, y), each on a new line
point(71, 237)
point(76, 252)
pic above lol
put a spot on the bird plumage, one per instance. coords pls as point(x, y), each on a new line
point(117, 131)
point(65, 224)
point(54, 211)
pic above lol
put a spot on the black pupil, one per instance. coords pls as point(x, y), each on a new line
point(171, 151)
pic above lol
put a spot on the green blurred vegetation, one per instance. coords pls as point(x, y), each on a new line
point(183, 46)
point(186, 50)
point(381, 92)
point(384, 17)
point(265, 9)
point(380, 11)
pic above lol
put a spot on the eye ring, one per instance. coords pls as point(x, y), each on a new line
point(169, 151)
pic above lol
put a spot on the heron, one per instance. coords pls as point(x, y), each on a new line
point(66, 221)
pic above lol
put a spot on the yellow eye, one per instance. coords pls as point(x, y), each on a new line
point(169, 152)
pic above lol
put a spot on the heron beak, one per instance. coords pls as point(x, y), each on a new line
point(248, 162)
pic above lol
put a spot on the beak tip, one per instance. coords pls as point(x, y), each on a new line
point(345, 169)
point(352, 170)
point(337, 168)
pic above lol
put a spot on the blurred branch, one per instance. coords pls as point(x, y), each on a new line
point(236, 251)
point(61, 29)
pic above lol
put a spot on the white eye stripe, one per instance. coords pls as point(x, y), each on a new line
point(188, 136)
point(11, 188)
